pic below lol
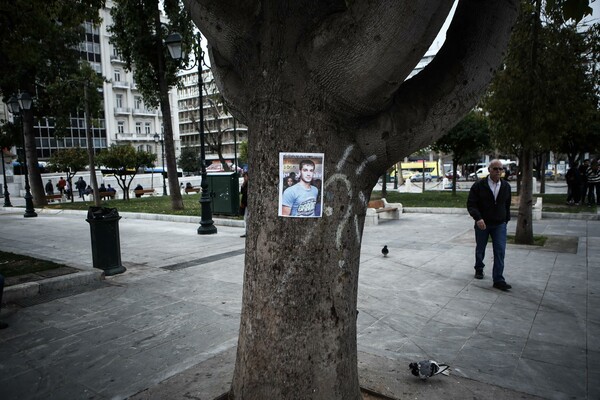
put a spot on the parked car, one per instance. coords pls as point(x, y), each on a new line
point(450, 174)
point(480, 173)
point(418, 177)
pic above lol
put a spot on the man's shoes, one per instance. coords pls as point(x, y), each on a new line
point(478, 274)
point(502, 286)
point(3, 325)
point(244, 235)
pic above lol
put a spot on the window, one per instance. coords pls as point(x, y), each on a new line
point(137, 100)
point(138, 128)
point(140, 147)
point(117, 75)
point(120, 126)
point(147, 128)
point(119, 101)
point(149, 148)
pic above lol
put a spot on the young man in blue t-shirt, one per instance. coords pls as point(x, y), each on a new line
point(300, 200)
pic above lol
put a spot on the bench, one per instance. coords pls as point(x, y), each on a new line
point(192, 189)
point(381, 209)
point(141, 192)
point(52, 197)
point(536, 210)
point(106, 195)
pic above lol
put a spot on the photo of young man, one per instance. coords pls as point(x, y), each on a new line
point(302, 199)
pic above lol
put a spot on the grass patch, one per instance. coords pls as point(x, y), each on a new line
point(146, 204)
point(538, 240)
point(16, 264)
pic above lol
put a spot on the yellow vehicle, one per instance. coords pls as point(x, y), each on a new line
point(412, 167)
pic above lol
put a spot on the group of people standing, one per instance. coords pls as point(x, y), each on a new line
point(582, 181)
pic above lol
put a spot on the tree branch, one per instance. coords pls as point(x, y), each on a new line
point(432, 102)
point(388, 38)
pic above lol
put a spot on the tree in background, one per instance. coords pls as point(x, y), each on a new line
point(39, 42)
point(295, 74)
point(469, 137)
point(138, 34)
point(528, 101)
point(70, 161)
point(125, 161)
point(66, 94)
point(188, 160)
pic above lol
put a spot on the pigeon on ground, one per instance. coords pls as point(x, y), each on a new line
point(385, 251)
point(428, 368)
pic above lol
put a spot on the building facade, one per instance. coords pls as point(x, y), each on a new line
point(219, 125)
point(125, 118)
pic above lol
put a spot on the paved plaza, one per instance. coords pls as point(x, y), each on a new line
point(173, 317)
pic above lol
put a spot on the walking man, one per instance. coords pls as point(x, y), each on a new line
point(489, 205)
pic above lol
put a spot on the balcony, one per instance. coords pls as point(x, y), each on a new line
point(116, 60)
point(120, 84)
point(143, 111)
point(122, 111)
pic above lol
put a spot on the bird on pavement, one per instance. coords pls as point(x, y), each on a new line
point(385, 251)
point(428, 368)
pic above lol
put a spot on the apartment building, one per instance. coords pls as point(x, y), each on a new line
point(125, 119)
point(217, 121)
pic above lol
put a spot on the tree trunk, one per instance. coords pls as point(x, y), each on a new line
point(454, 166)
point(33, 169)
point(524, 230)
point(165, 107)
point(90, 145)
point(285, 352)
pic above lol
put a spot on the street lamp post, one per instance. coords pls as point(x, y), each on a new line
point(162, 146)
point(173, 42)
point(18, 107)
point(6, 194)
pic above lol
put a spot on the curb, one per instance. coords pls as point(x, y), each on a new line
point(31, 289)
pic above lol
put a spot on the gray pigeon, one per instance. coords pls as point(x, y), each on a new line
point(385, 251)
point(428, 368)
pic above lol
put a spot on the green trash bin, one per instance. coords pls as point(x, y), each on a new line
point(224, 189)
point(106, 243)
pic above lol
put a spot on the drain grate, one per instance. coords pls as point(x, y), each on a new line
point(60, 294)
point(204, 260)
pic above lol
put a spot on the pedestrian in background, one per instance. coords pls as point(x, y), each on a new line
point(593, 183)
point(573, 185)
point(49, 188)
point(583, 180)
point(80, 185)
point(244, 202)
point(489, 205)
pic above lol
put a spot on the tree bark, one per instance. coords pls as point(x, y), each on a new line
point(524, 229)
point(298, 326)
point(33, 169)
point(168, 141)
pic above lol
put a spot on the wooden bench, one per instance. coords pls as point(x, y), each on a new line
point(192, 189)
point(52, 197)
point(141, 192)
point(106, 195)
point(381, 209)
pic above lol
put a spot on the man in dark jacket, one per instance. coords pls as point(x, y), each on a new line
point(489, 205)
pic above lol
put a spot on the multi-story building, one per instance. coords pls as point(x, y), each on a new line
point(217, 121)
point(125, 119)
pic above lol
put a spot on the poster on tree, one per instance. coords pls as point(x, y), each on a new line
point(300, 184)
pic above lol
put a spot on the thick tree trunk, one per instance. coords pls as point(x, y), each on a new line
point(35, 177)
point(524, 230)
point(298, 325)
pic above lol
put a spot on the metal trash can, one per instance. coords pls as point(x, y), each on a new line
point(224, 190)
point(106, 243)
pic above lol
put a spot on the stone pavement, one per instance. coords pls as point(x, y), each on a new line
point(173, 317)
